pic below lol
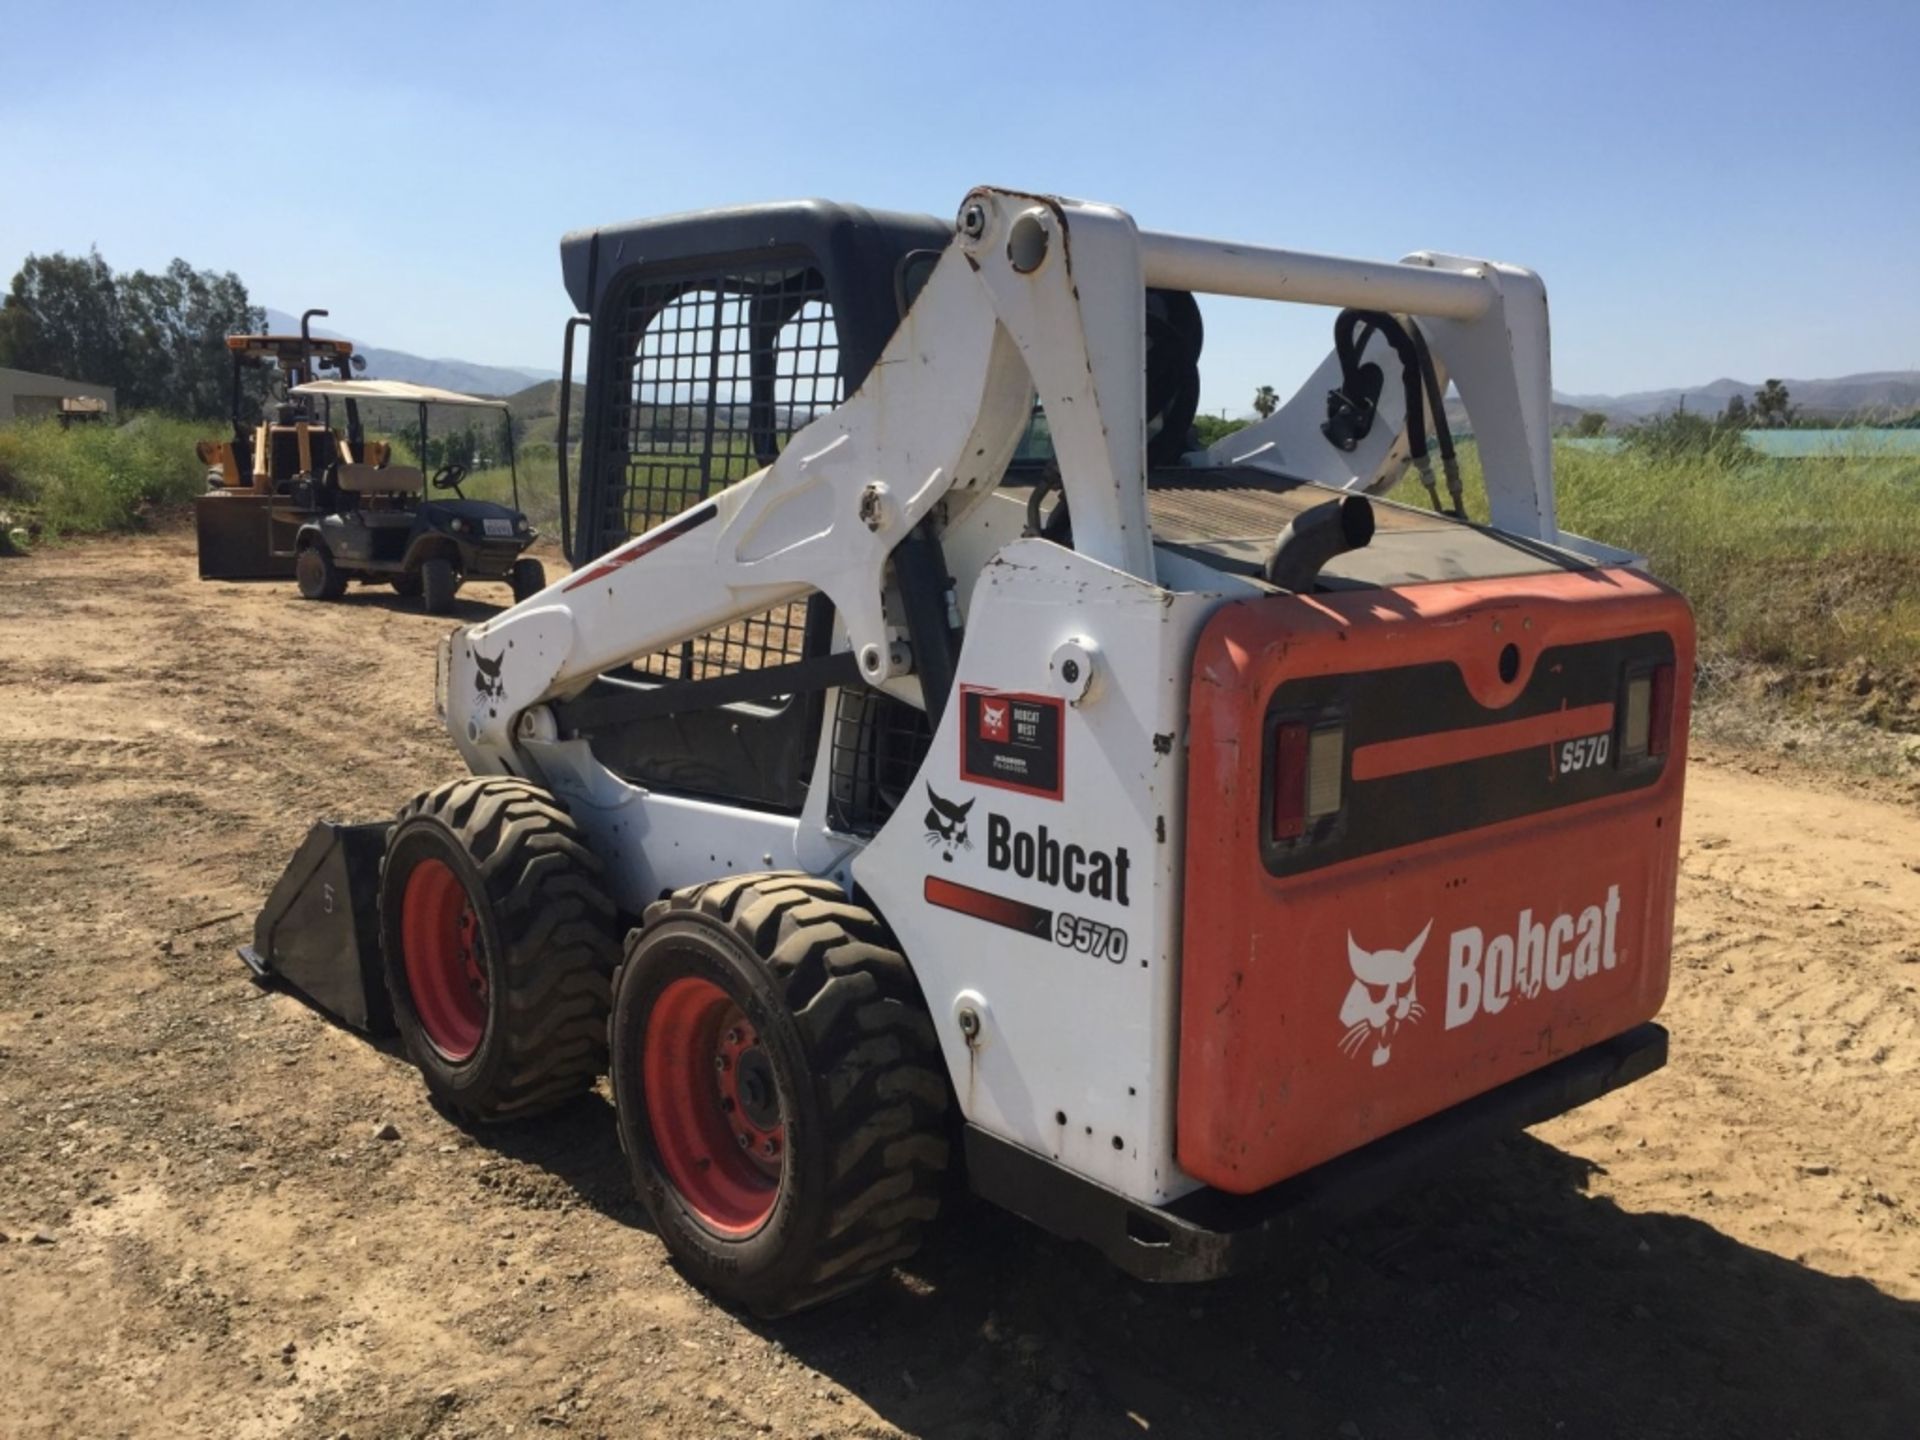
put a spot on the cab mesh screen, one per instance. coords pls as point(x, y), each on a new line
point(712, 376)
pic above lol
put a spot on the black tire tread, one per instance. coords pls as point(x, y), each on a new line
point(557, 929)
point(880, 1079)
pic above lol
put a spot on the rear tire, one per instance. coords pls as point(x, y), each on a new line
point(439, 583)
point(499, 940)
point(316, 574)
point(529, 579)
point(769, 1009)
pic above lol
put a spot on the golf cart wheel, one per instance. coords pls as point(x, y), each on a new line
point(439, 583)
point(780, 1092)
point(499, 939)
point(529, 578)
point(316, 574)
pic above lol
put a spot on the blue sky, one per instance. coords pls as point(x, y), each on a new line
point(1707, 189)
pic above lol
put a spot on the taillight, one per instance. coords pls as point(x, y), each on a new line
point(1309, 763)
point(1647, 725)
point(1660, 721)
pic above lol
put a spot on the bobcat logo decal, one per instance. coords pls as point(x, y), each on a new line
point(947, 825)
point(1381, 998)
point(993, 721)
point(487, 684)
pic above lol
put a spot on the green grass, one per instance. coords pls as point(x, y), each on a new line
point(98, 477)
point(1800, 564)
point(539, 489)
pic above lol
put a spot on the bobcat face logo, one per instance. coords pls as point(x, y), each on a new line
point(487, 683)
point(993, 720)
point(947, 825)
point(1381, 998)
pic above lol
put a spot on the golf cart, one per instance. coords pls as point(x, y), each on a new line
point(394, 524)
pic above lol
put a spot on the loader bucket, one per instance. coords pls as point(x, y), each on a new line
point(319, 934)
point(236, 539)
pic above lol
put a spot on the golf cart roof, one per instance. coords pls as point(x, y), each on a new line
point(392, 390)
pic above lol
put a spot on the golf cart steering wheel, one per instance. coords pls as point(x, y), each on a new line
point(448, 477)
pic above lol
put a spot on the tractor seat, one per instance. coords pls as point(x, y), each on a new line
point(378, 479)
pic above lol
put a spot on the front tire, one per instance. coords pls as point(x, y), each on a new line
point(529, 578)
point(499, 940)
point(780, 1092)
point(439, 583)
point(316, 574)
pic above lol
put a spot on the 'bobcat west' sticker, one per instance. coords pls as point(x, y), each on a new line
point(1012, 741)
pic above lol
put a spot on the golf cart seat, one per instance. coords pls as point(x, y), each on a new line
point(378, 479)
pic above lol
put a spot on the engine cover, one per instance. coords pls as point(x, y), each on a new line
point(1484, 883)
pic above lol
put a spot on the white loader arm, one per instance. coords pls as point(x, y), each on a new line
point(1033, 294)
point(937, 419)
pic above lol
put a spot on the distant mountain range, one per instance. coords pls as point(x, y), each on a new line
point(463, 375)
point(1877, 393)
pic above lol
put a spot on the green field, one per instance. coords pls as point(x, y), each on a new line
point(1800, 564)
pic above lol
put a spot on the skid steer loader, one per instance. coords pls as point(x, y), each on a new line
point(910, 780)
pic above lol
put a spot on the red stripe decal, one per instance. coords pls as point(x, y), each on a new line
point(643, 545)
point(1456, 747)
point(1398, 757)
point(984, 905)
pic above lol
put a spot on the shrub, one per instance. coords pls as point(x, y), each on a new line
point(99, 477)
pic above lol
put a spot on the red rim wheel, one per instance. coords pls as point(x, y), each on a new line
point(713, 1106)
point(441, 944)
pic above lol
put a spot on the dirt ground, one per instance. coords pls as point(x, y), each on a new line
point(203, 1235)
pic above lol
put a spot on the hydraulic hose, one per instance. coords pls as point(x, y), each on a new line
point(1443, 432)
point(1351, 409)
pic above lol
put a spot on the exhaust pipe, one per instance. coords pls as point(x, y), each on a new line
point(1313, 537)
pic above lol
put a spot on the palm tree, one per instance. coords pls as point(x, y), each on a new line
point(1265, 401)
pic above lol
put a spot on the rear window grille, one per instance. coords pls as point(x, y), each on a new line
point(878, 746)
point(711, 377)
point(772, 637)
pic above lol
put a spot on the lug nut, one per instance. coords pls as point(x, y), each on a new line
point(720, 1062)
point(771, 1148)
point(744, 1141)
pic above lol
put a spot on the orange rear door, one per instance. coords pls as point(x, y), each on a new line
point(1432, 841)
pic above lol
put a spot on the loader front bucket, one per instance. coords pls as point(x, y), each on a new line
point(237, 541)
point(319, 934)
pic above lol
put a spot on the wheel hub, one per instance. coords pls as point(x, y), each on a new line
point(713, 1105)
point(444, 956)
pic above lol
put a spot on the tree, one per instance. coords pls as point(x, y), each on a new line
point(1265, 401)
point(1688, 436)
point(62, 317)
point(1770, 407)
point(159, 340)
point(1590, 424)
point(1209, 428)
point(1737, 416)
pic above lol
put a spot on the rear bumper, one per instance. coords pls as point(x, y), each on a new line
point(1209, 1233)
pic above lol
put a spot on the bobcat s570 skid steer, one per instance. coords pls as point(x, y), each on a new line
point(909, 783)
